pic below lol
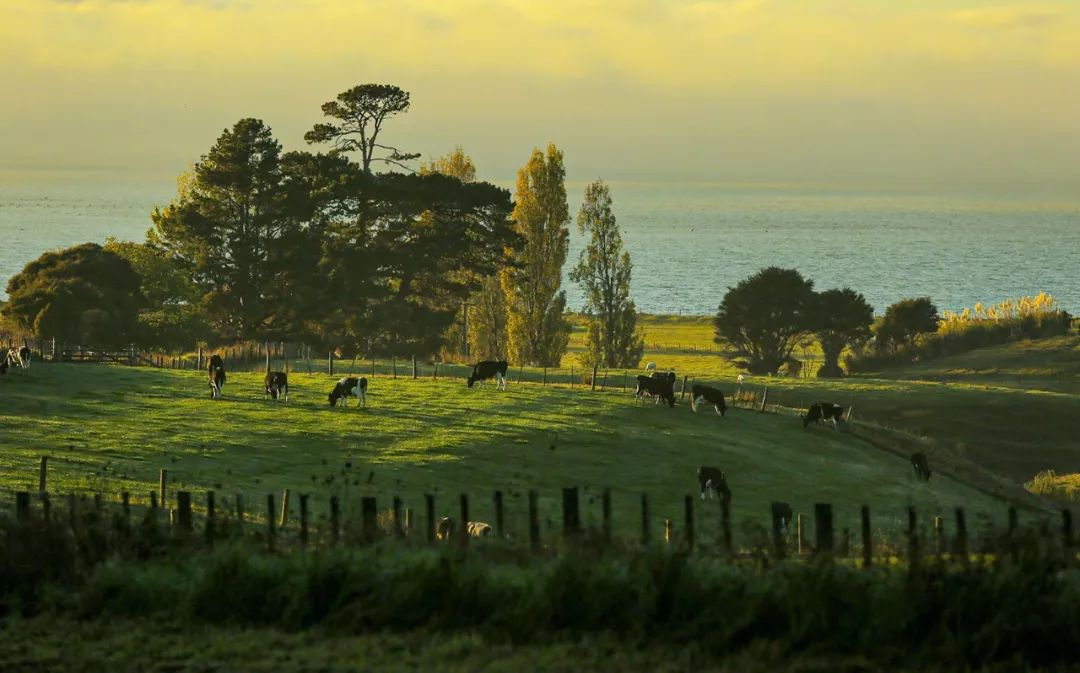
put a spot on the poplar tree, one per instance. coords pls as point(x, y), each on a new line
point(537, 329)
point(603, 270)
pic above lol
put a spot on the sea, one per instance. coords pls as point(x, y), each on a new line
point(690, 241)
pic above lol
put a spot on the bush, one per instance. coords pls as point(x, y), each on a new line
point(1011, 320)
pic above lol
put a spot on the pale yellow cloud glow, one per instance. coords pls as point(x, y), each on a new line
point(712, 89)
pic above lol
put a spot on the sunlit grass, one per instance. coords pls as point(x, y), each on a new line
point(113, 429)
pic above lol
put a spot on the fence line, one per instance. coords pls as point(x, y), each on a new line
point(281, 529)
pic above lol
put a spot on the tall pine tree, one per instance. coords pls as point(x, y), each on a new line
point(603, 271)
point(537, 329)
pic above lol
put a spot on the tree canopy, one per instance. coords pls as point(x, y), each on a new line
point(904, 320)
point(603, 270)
point(844, 320)
point(83, 294)
point(360, 113)
point(765, 316)
point(538, 331)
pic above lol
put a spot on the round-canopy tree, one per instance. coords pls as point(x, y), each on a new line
point(84, 294)
point(844, 320)
point(765, 316)
point(905, 320)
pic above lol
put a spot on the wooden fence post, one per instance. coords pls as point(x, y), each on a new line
point(393, 365)
point(43, 471)
point(414, 366)
point(22, 506)
point(284, 520)
point(163, 479)
point(682, 392)
point(463, 532)
point(939, 535)
point(153, 502)
point(867, 541)
point(798, 535)
point(779, 543)
point(210, 518)
point(303, 519)
point(913, 537)
point(335, 519)
point(571, 513)
point(240, 512)
point(183, 506)
point(534, 520)
point(270, 521)
point(688, 532)
point(961, 547)
point(369, 514)
point(330, 362)
point(725, 526)
point(823, 528)
point(645, 528)
point(399, 525)
point(429, 504)
point(571, 377)
point(764, 397)
point(605, 509)
point(408, 522)
point(499, 530)
point(125, 509)
point(669, 531)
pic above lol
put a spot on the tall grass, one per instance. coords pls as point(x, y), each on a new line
point(954, 615)
point(1050, 483)
point(984, 325)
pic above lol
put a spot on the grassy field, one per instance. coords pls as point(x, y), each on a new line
point(112, 428)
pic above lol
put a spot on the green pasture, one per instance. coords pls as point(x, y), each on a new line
point(110, 429)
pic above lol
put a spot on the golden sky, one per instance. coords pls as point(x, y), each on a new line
point(810, 91)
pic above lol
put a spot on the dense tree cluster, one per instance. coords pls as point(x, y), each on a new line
point(764, 318)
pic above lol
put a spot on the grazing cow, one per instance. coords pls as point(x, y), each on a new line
point(24, 357)
point(823, 411)
point(216, 370)
point(921, 466)
point(650, 366)
point(350, 386)
point(662, 386)
point(713, 479)
point(489, 369)
point(714, 396)
point(781, 514)
point(277, 386)
point(444, 530)
point(740, 378)
point(479, 529)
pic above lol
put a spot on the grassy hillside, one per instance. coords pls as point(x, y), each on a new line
point(112, 428)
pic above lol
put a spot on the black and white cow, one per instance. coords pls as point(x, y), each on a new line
point(921, 466)
point(216, 370)
point(702, 393)
point(24, 356)
point(781, 514)
point(713, 480)
point(659, 385)
point(277, 386)
point(489, 369)
point(350, 386)
point(820, 411)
